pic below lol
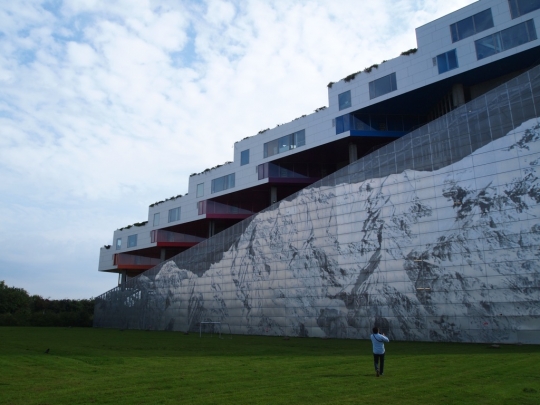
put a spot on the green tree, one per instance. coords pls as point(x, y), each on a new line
point(13, 300)
point(17, 308)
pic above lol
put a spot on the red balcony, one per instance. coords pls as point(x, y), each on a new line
point(214, 209)
point(165, 238)
point(125, 261)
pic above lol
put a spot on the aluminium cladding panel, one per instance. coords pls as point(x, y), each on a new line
point(106, 261)
point(434, 254)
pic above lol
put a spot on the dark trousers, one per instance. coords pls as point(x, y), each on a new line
point(379, 358)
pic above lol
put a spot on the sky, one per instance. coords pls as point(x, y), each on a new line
point(108, 106)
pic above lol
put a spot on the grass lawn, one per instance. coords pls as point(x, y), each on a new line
point(107, 366)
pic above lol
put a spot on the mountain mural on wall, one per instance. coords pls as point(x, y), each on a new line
point(445, 255)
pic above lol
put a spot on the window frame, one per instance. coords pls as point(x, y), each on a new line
point(458, 34)
point(156, 219)
point(200, 187)
point(285, 143)
point(132, 241)
point(223, 183)
point(244, 157)
point(516, 5)
point(376, 89)
point(447, 64)
point(344, 100)
point(118, 243)
point(175, 214)
point(495, 43)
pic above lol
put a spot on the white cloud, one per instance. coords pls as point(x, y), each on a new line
point(107, 107)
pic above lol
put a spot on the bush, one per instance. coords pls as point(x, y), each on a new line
point(17, 308)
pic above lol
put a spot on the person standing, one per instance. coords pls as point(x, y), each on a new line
point(378, 341)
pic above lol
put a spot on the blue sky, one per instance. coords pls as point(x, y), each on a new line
point(108, 106)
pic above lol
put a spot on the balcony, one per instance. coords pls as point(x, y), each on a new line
point(213, 209)
point(124, 261)
point(164, 238)
point(299, 174)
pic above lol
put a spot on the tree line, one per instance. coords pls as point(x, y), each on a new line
point(18, 308)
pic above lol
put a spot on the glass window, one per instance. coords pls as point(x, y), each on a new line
point(465, 28)
point(382, 86)
point(486, 47)
point(200, 190)
point(506, 39)
point(201, 207)
point(483, 21)
point(271, 148)
point(520, 7)
point(516, 36)
point(285, 143)
point(299, 138)
point(344, 100)
point(343, 123)
point(471, 25)
point(156, 219)
point(118, 243)
point(132, 241)
point(174, 214)
point(244, 157)
point(262, 171)
point(223, 183)
point(447, 61)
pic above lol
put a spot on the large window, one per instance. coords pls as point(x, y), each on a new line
point(344, 100)
point(132, 241)
point(520, 7)
point(244, 157)
point(447, 61)
point(174, 214)
point(200, 190)
point(472, 25)
point(118, 243)
point(285, 143)
point(222, 183)
point(507, 39)
point(382, 86)
point(156, 219)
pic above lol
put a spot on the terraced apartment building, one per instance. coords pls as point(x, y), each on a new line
point(410, 202)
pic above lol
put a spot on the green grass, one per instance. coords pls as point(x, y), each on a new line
point(106, 366)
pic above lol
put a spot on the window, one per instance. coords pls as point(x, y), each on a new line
point(344, 100)
point(382, 86)
point(343, 123)
point(520, 7)
point(222, 183)
point(285, 143)
point(174, 214)
point(201, 207)
point(200, 190)
point(447, 61)
point(472, 25)
point(156, 219)
point(132, 241)
point(506, 39)
point(244, 157)
point(118, 243)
